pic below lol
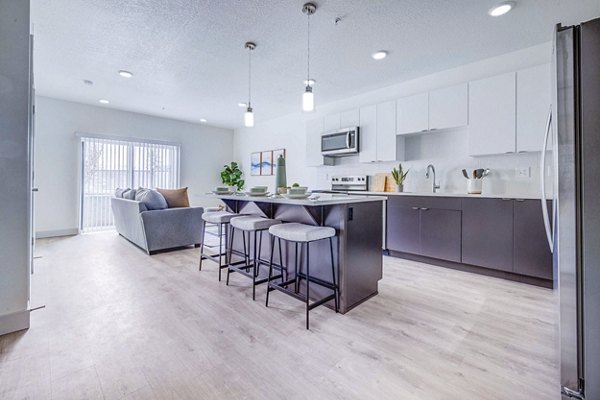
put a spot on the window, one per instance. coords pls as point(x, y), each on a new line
point(108, 164)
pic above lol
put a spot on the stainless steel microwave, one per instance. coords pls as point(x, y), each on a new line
point(340, 143)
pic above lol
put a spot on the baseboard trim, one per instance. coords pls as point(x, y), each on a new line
point(475, 269)
point(14, 322)
point(56, 233)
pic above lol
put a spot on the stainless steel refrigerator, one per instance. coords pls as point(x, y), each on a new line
point(574, 234)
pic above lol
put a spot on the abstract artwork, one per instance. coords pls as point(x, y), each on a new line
point(266, 163)
point(255, 161)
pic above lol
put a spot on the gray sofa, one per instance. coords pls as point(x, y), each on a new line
point(157, 229)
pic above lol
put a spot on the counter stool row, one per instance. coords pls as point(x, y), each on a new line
point(253, 227)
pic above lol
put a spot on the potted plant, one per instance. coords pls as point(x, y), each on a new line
point(399, 177)
point(232, 176)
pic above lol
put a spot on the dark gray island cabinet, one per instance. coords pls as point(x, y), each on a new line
point(357, 245)
point(498, 237)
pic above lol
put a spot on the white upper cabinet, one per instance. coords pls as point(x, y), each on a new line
point(350, 118)
point(386, 131)
point(412, 114)
point(533, 104)
point(448, 107)
point(345, 119)
point(378, 133)
point(492, 115)
point(331, 122)
point(314, 129)
point(368, 134)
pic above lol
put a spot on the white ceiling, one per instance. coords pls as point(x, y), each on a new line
point(189, 60)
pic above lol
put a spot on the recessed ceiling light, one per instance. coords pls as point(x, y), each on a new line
point(125, 74)
point(379, 55)
point(103, 101)
point(501, 8)
point(202, 119)
point(242, 105)
point(309, 82)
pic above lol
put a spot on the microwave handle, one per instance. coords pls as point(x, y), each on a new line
point(348, 139)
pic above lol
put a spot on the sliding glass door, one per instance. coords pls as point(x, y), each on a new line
point(107, 164)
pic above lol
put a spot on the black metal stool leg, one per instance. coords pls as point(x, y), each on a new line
point(220, 231)
point(296, 277)
point(281, 263)
point(202, 245)
point(257, 258)
point(254, 267)
point(229, 250)
point(270, 270)
point(307, 281)
point(335, 288)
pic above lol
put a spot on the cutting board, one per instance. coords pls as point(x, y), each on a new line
point(383, 183)
point(379, 183)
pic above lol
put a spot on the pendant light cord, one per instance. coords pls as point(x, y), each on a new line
point(308, 50)
point(249, 75)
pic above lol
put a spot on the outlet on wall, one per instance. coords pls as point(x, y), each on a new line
point(523, 173)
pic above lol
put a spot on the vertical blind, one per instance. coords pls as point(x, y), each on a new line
point(108, 164)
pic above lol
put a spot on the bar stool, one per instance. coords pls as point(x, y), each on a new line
point(251, 225)
point(301, 234)
point(221, 219)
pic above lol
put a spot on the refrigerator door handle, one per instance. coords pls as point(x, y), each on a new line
point(549, 233)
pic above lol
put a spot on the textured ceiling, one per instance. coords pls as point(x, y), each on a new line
point(189, 60)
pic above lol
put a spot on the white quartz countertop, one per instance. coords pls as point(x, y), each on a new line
point(446, 194)
point(317, 199)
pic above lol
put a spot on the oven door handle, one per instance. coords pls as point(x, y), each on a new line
point(348, 139)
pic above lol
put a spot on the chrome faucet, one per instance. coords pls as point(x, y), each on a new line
point(433, 185)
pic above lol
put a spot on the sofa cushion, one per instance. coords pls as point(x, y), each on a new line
point(119, 192)
point(129, 194)
point(151, 199)
point(175, 197)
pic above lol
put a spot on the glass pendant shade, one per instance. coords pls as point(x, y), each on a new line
point(308, 100)
point(249, 118)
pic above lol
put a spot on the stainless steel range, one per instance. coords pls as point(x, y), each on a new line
point(350, 183)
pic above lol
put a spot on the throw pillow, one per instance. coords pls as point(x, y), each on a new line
point(151, 199)
point(129, 194)
point(119, 192)
point(175, 197)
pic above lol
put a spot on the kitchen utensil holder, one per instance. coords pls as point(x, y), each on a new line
point(474, 186)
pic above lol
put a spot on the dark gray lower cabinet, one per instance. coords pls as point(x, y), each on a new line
point(441, 233)
point(487, 234)
point(498, 234)
point(424, 226)
point(532, 256)
point(403, 228)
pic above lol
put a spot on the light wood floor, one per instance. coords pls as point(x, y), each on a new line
point(121, 324)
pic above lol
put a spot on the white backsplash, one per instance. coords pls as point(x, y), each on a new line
point(447, 151)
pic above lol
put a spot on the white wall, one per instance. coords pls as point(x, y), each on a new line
point(15, 191)
point(446, 150)
point(204, 151)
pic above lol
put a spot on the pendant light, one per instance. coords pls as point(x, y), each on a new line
point(308, 97)
point(249, 114)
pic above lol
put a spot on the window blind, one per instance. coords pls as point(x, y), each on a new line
point(108, 164)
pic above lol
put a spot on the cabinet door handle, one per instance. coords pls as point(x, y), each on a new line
point(424, 208)
point(415, 208)
point(520, 199)
point(506, 199)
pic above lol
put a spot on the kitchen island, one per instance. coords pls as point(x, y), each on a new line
point(357, 247)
